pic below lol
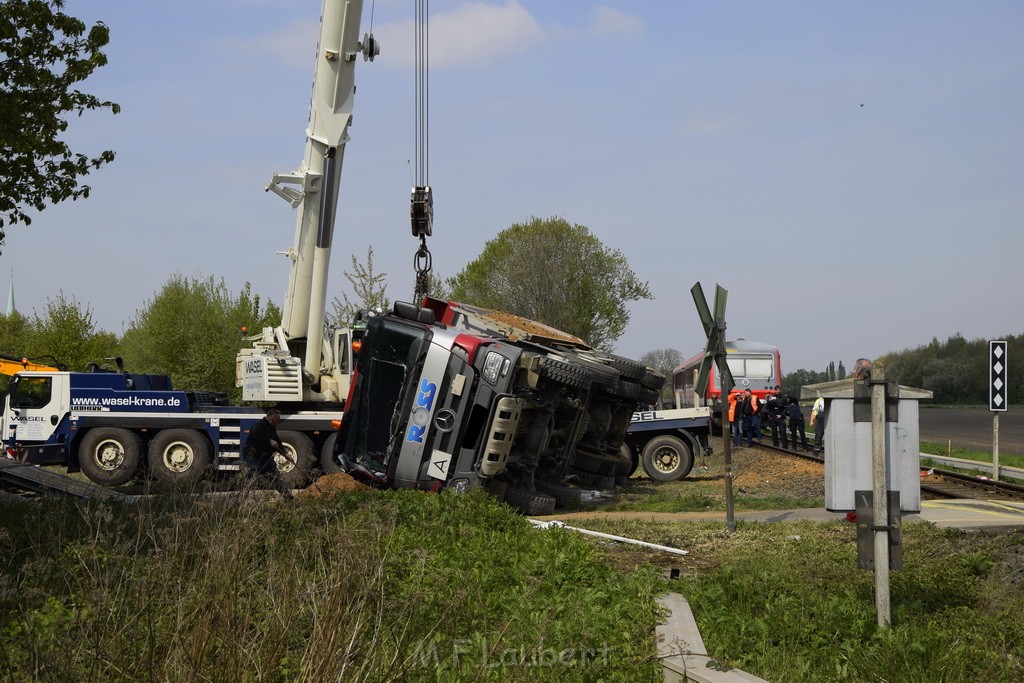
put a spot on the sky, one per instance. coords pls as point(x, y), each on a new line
point(851, 172)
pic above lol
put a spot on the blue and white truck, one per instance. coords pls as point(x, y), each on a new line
point(116, 426)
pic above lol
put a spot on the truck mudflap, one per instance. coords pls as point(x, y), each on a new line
point(500, 436)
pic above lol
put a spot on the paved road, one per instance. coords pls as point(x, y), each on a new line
point(971, 428)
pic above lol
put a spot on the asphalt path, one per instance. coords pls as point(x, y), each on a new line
point(971, 428)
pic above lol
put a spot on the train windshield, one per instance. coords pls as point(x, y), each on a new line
point(759, 367)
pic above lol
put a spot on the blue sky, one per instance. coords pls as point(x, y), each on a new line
point(851, 172)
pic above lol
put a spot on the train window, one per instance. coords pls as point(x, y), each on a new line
point(752, 368)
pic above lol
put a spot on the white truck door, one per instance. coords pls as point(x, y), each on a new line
point(37, 403)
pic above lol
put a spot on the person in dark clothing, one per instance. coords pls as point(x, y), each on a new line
point(746, 410)
point(258, 453)
point(796, 422)
point(775, 410)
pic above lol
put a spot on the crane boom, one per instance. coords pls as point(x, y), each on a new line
point(312, 189)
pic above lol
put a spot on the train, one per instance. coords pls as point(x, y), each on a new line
point(754, 365)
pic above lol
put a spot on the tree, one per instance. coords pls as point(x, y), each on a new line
point(841, 372)
point(45, 52)
point(369, 288)
point(664, 361)
point(191, 330)
point(832, 371)
point(67, 332)
point(557, 273)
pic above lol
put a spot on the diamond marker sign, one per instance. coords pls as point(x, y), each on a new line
point(997, 375)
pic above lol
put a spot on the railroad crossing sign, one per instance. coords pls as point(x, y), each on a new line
point(997, 375)
point(714, 328)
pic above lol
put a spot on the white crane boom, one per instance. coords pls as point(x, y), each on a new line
point(271, 370)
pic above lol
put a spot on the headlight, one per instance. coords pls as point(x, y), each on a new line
point(492, 365)
point(458, 485)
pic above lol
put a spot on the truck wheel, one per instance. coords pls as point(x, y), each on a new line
point(562, 372)
point(327, 463)
point(630, 369)
point(299, 447)
point(109, 455)
point(667, 458)
point(530, 503)
point(653, 380)
point(627, 451)
point(179, 456)
point(565, 496)
point(597, 464)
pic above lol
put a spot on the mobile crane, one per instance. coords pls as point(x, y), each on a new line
point(113, 425)
point(293, 363)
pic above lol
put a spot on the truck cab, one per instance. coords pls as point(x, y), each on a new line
point(458, 406)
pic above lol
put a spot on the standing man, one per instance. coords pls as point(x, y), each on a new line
point(258, 453)
point(796, 423)
point(818, 418)
point(776, 418)
point(746, 410)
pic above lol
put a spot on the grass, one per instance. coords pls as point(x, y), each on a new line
point(964, 454)
point(786, 602)
point(699, 494)
point(362, 586)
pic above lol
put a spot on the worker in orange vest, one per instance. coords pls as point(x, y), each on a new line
point(734, 422)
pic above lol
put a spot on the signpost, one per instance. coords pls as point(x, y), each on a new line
point(997, 393)
point(714, 328)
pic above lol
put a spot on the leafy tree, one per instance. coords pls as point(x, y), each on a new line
point(45, 52)
point(191, 330)
point(832, 371)
point(664, 361)
point(841, 372)
point(67, 332)
point(557, 273)
point(369, 288)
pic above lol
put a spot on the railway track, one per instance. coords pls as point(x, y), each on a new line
point(940, 482)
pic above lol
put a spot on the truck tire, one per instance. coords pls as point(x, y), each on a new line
point(667, 458)
point(560, 371)
point(565, 496)
point(109, 455)
point(594, 463)
point(603, 376)
point(299, 447)
point(530, 502)
point(630, 369)
point(327, 463)
point(180, 456)
point(653, 379)
point(627, 451)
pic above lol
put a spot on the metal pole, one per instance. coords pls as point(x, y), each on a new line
point(880, 502)
point(995, 445)
point(730, 518)
point(721, 361)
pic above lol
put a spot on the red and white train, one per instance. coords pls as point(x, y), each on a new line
point(754, 365)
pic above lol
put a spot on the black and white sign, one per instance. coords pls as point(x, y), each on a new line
point(997, 375)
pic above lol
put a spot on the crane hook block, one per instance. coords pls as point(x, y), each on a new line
point(422, 211)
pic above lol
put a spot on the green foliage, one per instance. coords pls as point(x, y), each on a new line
point(368, 287)
point(45, 53)
point(557, 273)
point(956, 371)
point(67, 332)
point(365, 586)
point(191, 330)
point(786, 602)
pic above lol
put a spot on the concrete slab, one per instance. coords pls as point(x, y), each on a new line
point(682, 652)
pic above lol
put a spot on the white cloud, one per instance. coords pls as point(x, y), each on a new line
point(472, 33)
point(606, 21)
point(293, 44)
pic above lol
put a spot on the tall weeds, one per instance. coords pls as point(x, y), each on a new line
point(366, 586)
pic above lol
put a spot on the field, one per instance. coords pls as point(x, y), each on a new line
point(352, 584)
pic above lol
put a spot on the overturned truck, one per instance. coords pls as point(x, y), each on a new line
point(453, 396)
